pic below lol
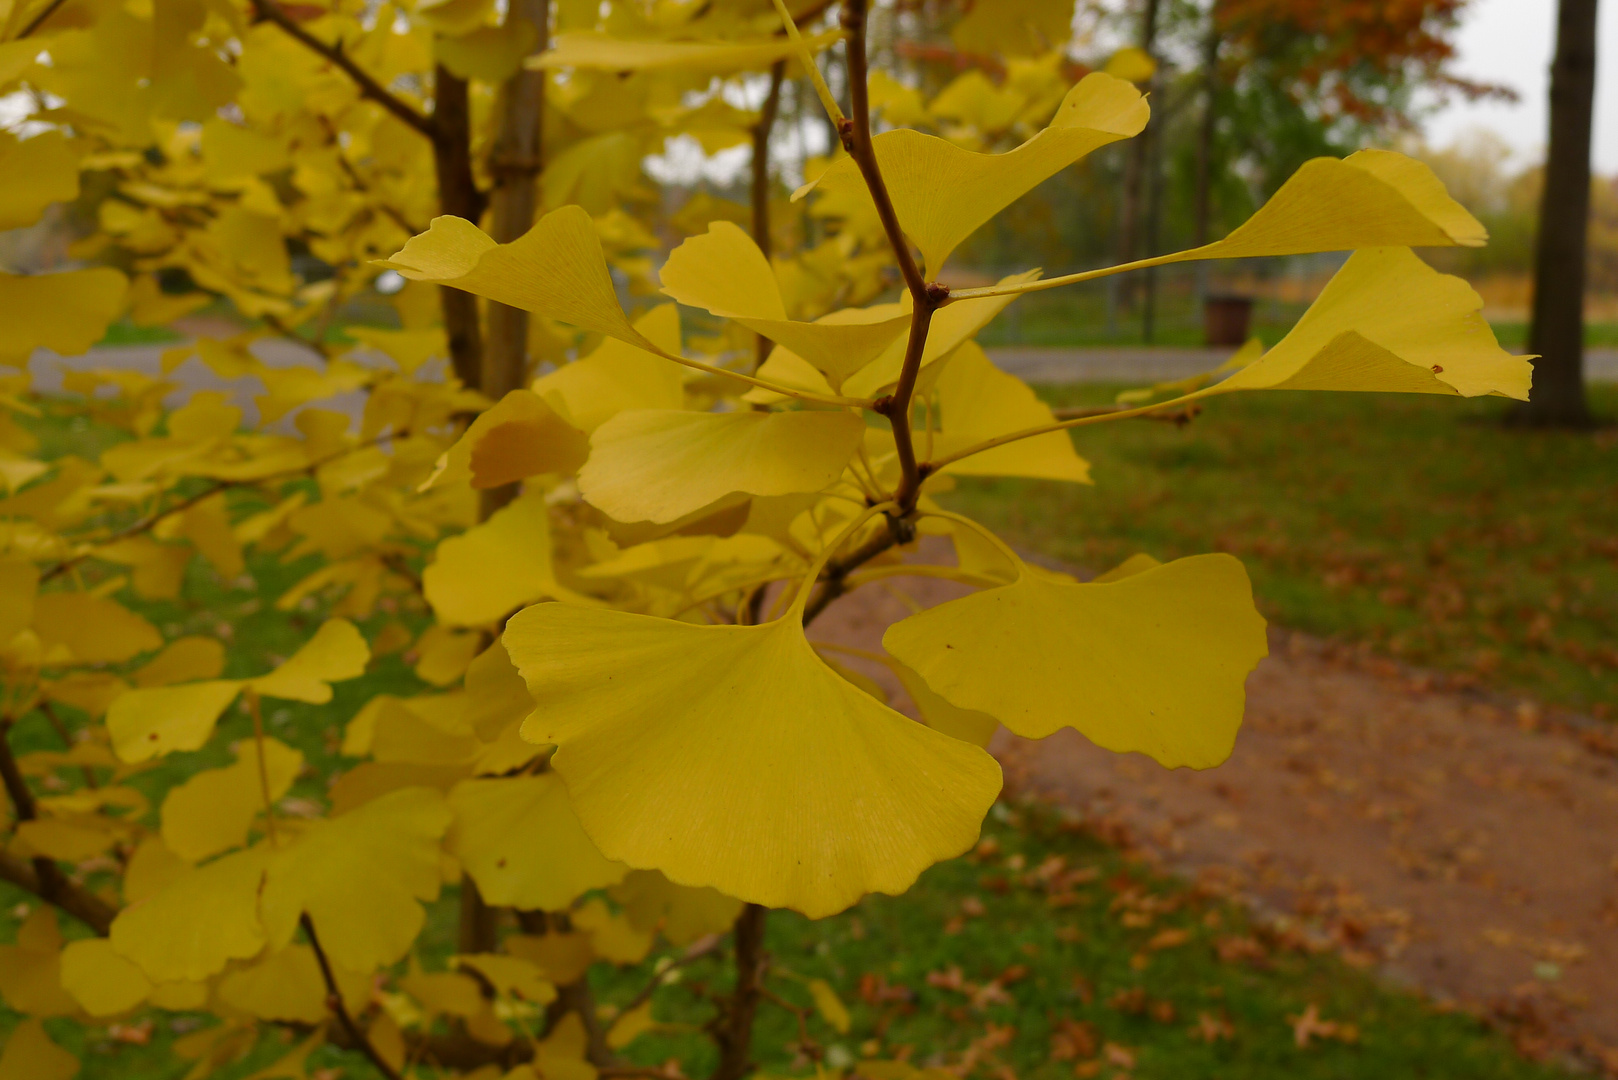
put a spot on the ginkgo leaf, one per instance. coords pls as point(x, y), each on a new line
point(496, 694)
point(19, 585)
point(617, 376)
point(658, 466)
point(556, 268)
point(1373, 198)
point(30, 1055)
point(336, 652)
point(511, 975)
point(284, 985)
point(938, 216)
point(102, 981)
point(494, 568)
point(158, 720)
point(213, 810)
point(360, 878)
point(790, 786)
point(1155, 662)
point(197, 923)
point(586, 49)
point(1388, 321)
point(93, 629)
point(183, 660)
point(39, 171)
point(652, 902)
point(724, 271)
point(519, 437)
point(66, 313)
point(974, 727)
point(31, 970)
point(521, 841)
point(977, 401)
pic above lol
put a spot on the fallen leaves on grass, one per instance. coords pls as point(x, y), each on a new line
point(1310, 1026)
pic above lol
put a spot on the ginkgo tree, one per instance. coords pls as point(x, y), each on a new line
point(598, 534)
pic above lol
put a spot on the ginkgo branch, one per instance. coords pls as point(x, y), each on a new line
point(1181, 418)
point(1060, 425)
point(41, 876)
point(39, 20)
point(272, 11)
point(765, 384)
point(1042, 284)
point(703, 946)
point(334, 1002)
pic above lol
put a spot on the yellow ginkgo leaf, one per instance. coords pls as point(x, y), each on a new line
point(556, 268)
point(1155, 662)
point(724, 271)
point(494, 568)
point(19, 585)
point(213, 810)
point(652, 902)
point(490, 53)
point(158, 720)
point(521, 436)
point(830, 1006)
point(617, 376)
point(39, 171)
point(93, 629)
point(31, 970)
point(937, 217)
point(30, 1055)
point(66, 313)
point(102, 981)
point(183, 660)
point(792, 787)
point(360, 878)
point(974, 727)
point(561, 1054)
point(521, 841)
point(511, 975)
point(1015, 27)
point(197, 923)
point(336, 652)
point(1373, 198)
point(284, 985)
point(977, 401)
point(1388, 321)
point(659, 465)
point(495, 694)
point(1132, 64)
point(585, 49)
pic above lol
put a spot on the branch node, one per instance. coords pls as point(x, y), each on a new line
point(937, 292)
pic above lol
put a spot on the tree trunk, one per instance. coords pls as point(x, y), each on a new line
point(1557, 333)
point(515, 163)
point(1135, 166)
point(761, 183)
point(734, 1032)
point(459, 196)
point(1202, 202)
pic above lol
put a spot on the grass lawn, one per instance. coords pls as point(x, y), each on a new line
point(1414, 523)
point(1046, 953)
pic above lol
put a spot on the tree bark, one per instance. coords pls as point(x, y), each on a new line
point(1135, 166)
point(1557, 332)
point(515, 163)
point(458, 196)
point(1202, 209)
point(734, 1032)
point(761, 184)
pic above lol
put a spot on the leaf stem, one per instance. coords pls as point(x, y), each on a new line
point(1060, 425)
point(255, 707)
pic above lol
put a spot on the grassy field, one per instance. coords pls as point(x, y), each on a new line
point(1415, 523)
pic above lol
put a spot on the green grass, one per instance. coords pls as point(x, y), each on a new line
point(124, 332)
point(1415, 523)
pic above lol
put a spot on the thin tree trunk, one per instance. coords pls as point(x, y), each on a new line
point(1202, 205)
point(459, 196)
point(761, 182)
point(1557, 333)
point(734, 1032)
point(1135, 167)
point(515, 163)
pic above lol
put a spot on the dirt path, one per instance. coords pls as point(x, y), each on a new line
point(1465, 848)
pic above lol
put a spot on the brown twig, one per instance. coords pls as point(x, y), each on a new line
point(733, 1028)
point(41, 876)
point(705, 946)
point(761, 183)
point(39, 20)
point(271, 11)
point(925, 297)
point(834, 579)
point(334, 1002)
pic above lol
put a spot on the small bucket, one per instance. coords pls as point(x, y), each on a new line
point(1225, 319)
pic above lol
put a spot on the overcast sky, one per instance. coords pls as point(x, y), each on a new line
point(1511, 42)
